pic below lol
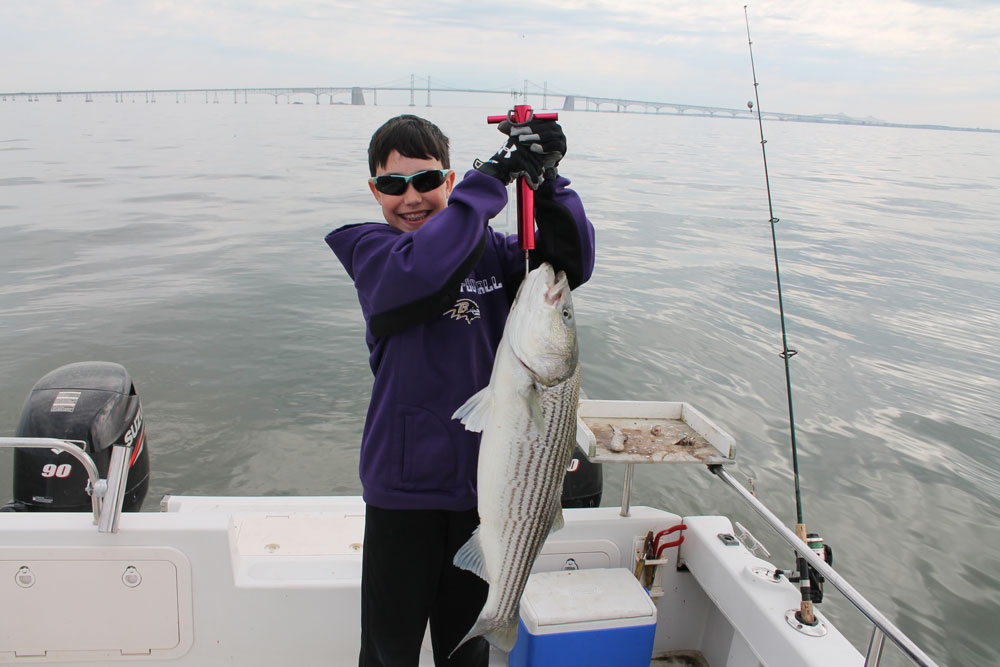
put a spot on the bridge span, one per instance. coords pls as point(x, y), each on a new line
point(210, 95)
point(360, 95)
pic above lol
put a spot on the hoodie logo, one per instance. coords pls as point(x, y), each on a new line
point(464, 309)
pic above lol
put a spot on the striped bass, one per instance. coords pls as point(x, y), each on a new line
point(527, 415)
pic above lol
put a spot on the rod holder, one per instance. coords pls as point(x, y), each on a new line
point(117, 477)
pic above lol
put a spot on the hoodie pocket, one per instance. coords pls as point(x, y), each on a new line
point(430, 462)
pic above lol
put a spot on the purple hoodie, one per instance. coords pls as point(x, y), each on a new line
point(435, 302)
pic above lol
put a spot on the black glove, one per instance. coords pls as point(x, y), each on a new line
point(545, 137)
point(533, 150)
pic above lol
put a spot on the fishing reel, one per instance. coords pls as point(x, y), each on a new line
point(816, 580)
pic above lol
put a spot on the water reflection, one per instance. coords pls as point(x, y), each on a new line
point(186, 243)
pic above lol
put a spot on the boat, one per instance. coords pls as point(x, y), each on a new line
point(88, 579)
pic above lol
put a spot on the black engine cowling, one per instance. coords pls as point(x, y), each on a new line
point(94, 405)
point(584, 482)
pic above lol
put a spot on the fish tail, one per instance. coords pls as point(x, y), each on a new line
point(502, 636)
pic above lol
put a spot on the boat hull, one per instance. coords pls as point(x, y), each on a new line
point(265, 581)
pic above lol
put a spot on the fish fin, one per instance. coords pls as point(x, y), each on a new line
point(534, 405)
point(470, 557)
point(478, 628)
point(503, 637)
point(558, 522)
point(475, 412)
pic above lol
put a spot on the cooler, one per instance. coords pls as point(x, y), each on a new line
point(584, 618)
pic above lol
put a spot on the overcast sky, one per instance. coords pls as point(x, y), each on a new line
point(909, 61)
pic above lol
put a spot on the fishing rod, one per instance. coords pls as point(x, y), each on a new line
point(805, 614)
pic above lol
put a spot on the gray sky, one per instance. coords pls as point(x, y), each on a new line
point(908, 61)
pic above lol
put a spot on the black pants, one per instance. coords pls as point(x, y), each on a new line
point(408, 578)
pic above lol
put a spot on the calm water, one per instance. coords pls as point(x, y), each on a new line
point(185, 241)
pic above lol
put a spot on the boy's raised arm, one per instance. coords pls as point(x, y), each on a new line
point(406, 278)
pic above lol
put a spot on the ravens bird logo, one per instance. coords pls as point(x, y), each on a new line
point(464, 309)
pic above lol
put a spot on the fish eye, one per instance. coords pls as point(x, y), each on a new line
point(567, 314)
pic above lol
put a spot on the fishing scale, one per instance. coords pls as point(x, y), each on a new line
point(522, 114)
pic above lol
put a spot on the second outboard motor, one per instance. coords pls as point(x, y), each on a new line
point(92, 404)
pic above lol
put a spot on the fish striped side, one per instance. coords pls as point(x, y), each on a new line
point(535, 468)
point(534, 501)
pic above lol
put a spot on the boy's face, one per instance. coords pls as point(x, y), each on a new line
point(408, 211)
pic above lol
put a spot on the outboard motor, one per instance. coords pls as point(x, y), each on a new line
point(584, 482)
point(92, 404)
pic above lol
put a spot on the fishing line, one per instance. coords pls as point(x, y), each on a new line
point(806, 613)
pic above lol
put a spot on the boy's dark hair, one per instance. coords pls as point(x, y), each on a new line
point(412, 136)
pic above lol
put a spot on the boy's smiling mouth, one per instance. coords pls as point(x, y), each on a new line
point(415, 216)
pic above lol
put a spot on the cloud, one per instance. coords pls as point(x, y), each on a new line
point(887, 58)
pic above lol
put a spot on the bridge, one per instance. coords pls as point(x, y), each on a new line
point(211, 95)
point(360, 95)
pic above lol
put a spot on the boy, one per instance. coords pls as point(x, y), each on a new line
point(435, 286)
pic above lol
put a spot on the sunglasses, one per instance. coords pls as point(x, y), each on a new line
point(423, 181)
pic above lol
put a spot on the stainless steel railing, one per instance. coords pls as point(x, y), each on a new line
point(106, 514)
point(883, 626)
